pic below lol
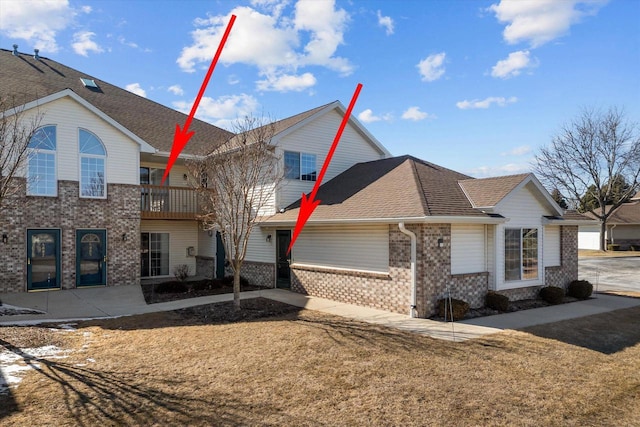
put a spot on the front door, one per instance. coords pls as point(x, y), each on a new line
point(43, 259)
point(91, 258)
point(283, 271)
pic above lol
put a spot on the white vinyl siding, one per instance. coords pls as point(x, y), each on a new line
point(206, 243)
point(258, 248)
point(68, 116)
point(551, 246)
point(467, 249)
point(182, 234)
point(524, 210)
point(316, 138)
point(176, 175)
point(364, 248)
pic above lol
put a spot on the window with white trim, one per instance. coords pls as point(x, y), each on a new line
point(41, 166)
point(520, 254)
point(92, 165)
point(300, 166)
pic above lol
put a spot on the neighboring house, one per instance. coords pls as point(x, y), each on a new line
point(623, 228)
point(93, 211)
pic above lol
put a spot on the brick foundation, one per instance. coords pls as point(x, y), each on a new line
point(118, 214)
point(205, 266)
point(257, 273)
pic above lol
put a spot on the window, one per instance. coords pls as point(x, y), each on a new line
point(41, 166)
point(154, 251)
point(300, 166)
point(520, 254)
point(92, 166)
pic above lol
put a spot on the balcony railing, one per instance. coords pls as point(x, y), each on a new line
point(163, 202)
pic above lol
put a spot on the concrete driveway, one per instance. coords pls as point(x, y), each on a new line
point(611, 274)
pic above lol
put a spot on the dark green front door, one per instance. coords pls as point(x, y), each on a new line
point(283, 271)
point(43, 259)
point(91, 251)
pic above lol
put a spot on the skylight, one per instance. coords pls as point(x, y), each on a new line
point(89, 83)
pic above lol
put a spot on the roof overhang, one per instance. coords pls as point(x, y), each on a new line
point(274, 222)
point(560, 221)
point(144, 146)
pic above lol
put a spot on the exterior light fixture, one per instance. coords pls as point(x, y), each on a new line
point(440, 242)
point(268, 237)
point(124, 237)
point(5, 238)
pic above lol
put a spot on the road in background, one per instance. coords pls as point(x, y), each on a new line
point(609, 274)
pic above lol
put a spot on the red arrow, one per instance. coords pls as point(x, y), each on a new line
point(182, 136)
point(308, 203)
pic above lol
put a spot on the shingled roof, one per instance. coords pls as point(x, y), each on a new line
point(28, 79)
point(397, 187)
point(488, 192)
point(626, 214)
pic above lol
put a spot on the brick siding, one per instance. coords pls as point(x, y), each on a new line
point(118, 214)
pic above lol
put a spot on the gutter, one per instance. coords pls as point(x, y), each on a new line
point(412, 307)
point(275, 222)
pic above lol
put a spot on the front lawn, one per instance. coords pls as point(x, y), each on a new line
point(305, 368)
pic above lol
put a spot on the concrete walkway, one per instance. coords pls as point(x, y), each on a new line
point(104, 302)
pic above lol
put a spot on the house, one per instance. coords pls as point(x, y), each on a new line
point(395, 233)
point(400, 233)
point(93, 211)
point(623, 228)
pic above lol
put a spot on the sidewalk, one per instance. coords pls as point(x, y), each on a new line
point(91, 303)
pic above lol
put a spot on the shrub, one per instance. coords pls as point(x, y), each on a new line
point(181, 272)
point(459, 307)
point(496, 301)
point(172, 287)
point(580, 289)
point(613, 247)
point(552, 294)
point(201, 285)
point(228, 280)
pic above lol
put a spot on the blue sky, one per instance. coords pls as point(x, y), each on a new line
point(475, 86)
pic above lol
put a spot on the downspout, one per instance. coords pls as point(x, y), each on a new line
point(412, 308)
point(611, 233)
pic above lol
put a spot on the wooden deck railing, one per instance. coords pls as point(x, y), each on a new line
point(163, 202)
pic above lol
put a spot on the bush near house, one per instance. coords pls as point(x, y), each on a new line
point(459, 308)
point(552, 294)
point(181, 272)
point(581, 289)
point(496, 301)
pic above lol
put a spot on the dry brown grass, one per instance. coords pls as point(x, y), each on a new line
point(310, 369)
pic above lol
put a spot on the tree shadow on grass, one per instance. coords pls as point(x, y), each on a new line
point(606, 333)
point(8, 404)
point(92, 397)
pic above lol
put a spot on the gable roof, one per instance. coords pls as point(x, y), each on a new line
point(284, 127)
point(626, 214)
point(28, 80)
point(488, 192)
point(397, 188)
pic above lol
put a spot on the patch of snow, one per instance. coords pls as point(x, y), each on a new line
point(14, 365)
point(8, 310)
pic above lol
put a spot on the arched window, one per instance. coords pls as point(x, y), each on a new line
point(41, 168)
point(92, 166)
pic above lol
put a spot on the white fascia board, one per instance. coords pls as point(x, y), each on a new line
point(408, 220)
point(144, 146)
point(547, 221)
point(181, 156)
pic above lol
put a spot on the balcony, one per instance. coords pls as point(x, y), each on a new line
point(163, 202)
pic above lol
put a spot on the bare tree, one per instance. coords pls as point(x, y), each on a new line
point(237, 185)
point(588, 156)
point(16, 131)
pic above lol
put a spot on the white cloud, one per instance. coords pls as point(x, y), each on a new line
point(485, 103)
point(510, 67)
point(272, 43)
point(414, 113)
point(36, 21)
point(541, 21)
point(137, 89)
point(386, 22)
point(432, 67)
point(82, 43)
point(287, 83)
point(222, 111)
point(367, 116)
point(518, 151)
point(233, 79)
point(508, 169)
point(176, 90)
point(86, 9)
